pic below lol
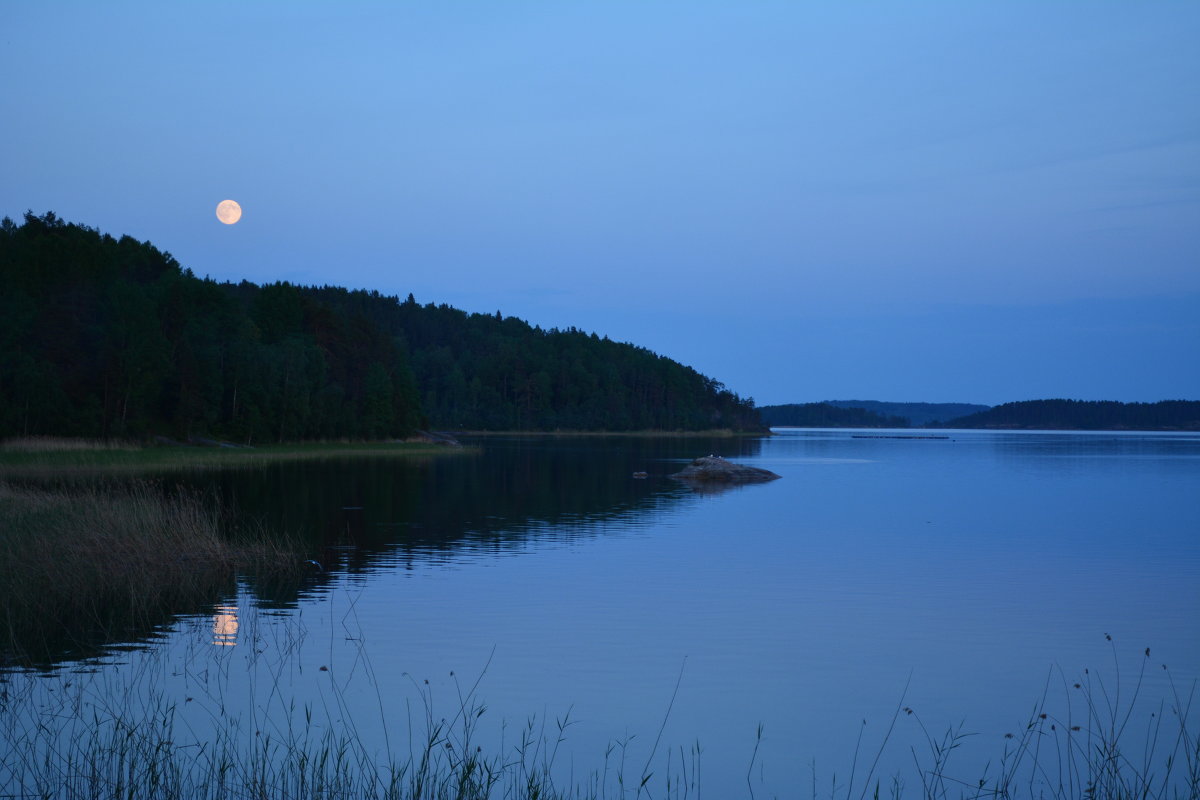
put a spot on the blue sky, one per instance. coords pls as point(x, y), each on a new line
point(939, 201)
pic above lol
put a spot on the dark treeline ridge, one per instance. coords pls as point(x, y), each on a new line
point(1027, 414)
point(918, 414)
point(113, 338)
point(824, 415)
point(103, 337)
point(1087, 415)
point(490, 372)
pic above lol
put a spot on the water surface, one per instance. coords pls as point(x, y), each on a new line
point(968, 569)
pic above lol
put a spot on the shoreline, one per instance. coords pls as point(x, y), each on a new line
point(990, 429)
point(62, 456)
point(715, 433)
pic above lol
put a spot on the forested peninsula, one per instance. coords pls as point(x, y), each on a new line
point(107, 337)
point(1085, 415)
point(865, 414)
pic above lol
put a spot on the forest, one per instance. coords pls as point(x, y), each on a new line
point(1084, 415)
point(865, 414)
point(1087, 415)
point(107, 337)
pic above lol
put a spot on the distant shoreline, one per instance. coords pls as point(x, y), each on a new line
point(915, 433)
point(1053, 414)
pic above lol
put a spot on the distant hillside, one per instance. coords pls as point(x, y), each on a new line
point(1167, 415)
point(865, 414)
point(918, 414)
point(826, 415)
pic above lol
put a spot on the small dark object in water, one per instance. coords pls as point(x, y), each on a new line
point(640, 475)
point(316, 565)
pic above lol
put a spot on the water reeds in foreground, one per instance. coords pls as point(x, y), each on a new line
point(82, 563)
point(1087, 737)
point(106, 733)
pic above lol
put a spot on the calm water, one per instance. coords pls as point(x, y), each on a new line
point(970, 569)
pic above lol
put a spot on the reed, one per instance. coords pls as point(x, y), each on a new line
point(80, 562)
point(74, 736)
point(60, 444)
point(1091, 738)
point(67, 738)
point(71, 458)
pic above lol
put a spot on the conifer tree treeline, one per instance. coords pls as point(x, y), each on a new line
point(490, 372)
point(1087, 415)
point(111, 337)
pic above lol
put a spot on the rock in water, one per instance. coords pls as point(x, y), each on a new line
point(714, 469)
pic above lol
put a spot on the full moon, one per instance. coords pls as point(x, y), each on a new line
point(229, 212)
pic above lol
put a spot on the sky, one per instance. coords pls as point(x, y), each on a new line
point(958, 201)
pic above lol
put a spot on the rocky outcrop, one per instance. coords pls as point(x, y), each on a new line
point(716, 470)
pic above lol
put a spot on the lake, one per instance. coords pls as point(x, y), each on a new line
point(967, 578)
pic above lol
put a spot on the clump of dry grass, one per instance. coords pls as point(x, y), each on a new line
point(59, 444)
point(89, 559)
point(56, 459)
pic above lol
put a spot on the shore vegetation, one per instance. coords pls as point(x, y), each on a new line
point(49, 456)
point(95, 562)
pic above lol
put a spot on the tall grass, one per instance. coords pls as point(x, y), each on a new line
point(1086, 737)
point(87, 735)
point(81, 561)
point(95, 735)
point(42, 457)
point(59, 444)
